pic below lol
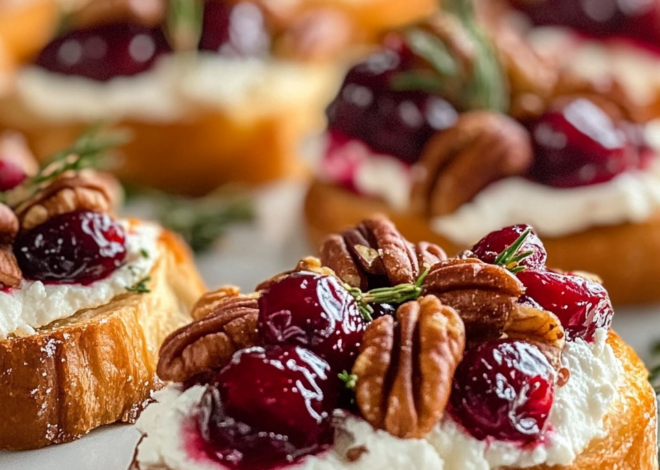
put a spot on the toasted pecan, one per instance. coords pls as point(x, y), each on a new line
point(208, 344)
point(405, 369)
point(482, 294)
point(457, 163)
point(375, 250)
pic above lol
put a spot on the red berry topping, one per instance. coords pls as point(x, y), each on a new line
point(11, 175)
point(77, 247)
point(313, 311)
point(626, 18)
point(268, 407)
point(397, 123)
point(235, 30)
point(104, 52)
point(493, 244)
point(581, 305)
point(578, 144)
point(503, 390)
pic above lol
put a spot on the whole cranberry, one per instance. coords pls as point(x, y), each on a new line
point(489, 247)
point(578, 144)
point(76, 247)
point(104, 52)
point(392, 122)
point(581, 305)
point(11, 175)
point(315, 312)
point(503, 390)
point(235, 29)
point(269, 406)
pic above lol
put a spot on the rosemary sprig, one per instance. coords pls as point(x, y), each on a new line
point(140, 287)
point(511, 257)
point(202, 221)
point(482, 85)
point(350, 380)
point(184, 24)
point(85, 152)
point(386, 295)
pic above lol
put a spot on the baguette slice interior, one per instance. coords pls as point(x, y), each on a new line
point(98, 366)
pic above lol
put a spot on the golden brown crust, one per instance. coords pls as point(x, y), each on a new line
point(626, 256)
point(97, 367)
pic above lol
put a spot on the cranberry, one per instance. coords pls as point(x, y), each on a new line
point(503, 390)
point(235, 30)
point(104, 52)
point(634, 19)
point(397, 123)
point(580, 304)
point(578, 144)
point(268, 407)
point(313, 311)
point(11, 175)
point(79, 247)
point(489, 247)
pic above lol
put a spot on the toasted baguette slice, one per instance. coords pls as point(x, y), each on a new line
point(630, 425)
point(98, 366)
point(634, 246)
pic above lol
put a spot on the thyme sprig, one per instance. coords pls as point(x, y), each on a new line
point(140, 287)
point(386, 295)
point(350, 380)
point(511, 257)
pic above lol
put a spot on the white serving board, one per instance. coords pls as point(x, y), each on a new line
point(246, 256)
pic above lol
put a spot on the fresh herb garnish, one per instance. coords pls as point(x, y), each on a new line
point(350, 380)
point(85, 152)
point(386, 295)
point(511, 257)
point(144, 253)
point(202, 221)
point(140, 287)
point(184, 24)
point(476, 81)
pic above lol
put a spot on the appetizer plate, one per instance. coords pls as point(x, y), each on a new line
point(247, 255)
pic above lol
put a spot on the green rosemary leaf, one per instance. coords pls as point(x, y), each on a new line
point(184, 24)
point(510, 255)
point(140, 287)
point(350, 380)
point(202, 221)
point(431, 48)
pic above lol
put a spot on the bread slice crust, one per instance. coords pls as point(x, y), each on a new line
point(98, 366)
point(625, 256)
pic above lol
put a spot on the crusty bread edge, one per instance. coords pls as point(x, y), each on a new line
point(97, 367)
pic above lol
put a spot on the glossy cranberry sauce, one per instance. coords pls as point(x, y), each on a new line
point(76, 247)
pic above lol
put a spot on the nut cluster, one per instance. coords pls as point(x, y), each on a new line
point(405, 368)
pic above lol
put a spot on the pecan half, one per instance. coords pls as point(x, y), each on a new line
point(209, 302)
point(456, 164)
point(8, 225)
point(539, 327)
point(85, 190)
point(309, 263)
point(374, 251)
point(405, 369)
point(209, 343)
point(482, 294)
point(10, 273)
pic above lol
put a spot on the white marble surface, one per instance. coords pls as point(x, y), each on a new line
point(245, 257)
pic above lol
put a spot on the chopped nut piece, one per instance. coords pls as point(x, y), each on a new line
point(209, 302)
point(10, 273)
point(405, 369)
